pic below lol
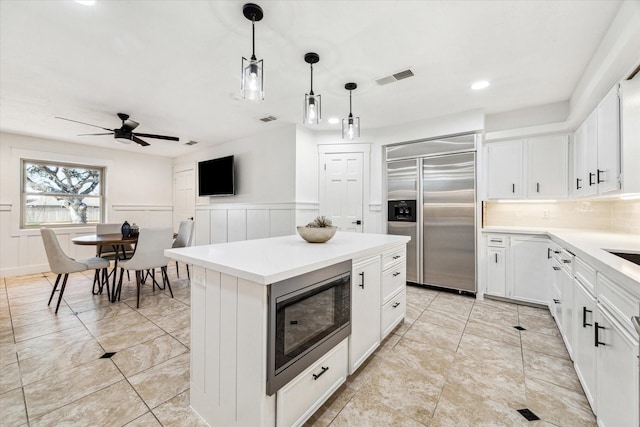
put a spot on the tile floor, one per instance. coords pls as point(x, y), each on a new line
point(453, 362)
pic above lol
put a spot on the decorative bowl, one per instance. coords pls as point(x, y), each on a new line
point(317, 234)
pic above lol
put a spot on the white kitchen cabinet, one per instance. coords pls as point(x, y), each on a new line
point(547, 167)
point(567, 297)
point(608, 170)
point(304, 394)
point(584, 354)
point(590, 162)
point(536, 168)
point(496, 272)
point(393, 312)
point(393, 289)
point(579, 180)
point(365, 310)
point(616, 371)
point(527, 269)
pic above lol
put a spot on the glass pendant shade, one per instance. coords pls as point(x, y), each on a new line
point(252, 79)
point(351, 127)
point(312, 109)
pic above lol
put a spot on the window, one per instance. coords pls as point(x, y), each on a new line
point(58, 194)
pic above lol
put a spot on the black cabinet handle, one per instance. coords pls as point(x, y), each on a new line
point(361, 279)
point(496, 258)
point(599, 172)
point(557, 301)
point(597, 340)
point(537, 187)
point(556, 268)
point(578, 186)
point(566, 261)
point(584, 317)
point(395, 305)
point(548, 253)
point(358, 222)
point(397, 273)
point(591, 175)
point(324, 369)
point(513, 188)
point(556, 252)
point(396, 256)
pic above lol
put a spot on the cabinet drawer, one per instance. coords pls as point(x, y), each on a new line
point(496, 241)
point(393, 279)
point(301, 397)
point(393, 312)
point(585, 274)
point(393, 256)
point(618, 301)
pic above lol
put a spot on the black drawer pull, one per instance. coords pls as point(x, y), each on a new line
point(397, 273)
point(513, 188)
point(361, 279)
point(537, 187)
point(395, 305)
point(396, 256)
point(566, 261)
point(556, 268)
point(496, 258)
point(324, 369)
point(578, 186)
point(599, 172)
point(584, 317)
point(597, 339)
point(591, 175)
point(557, 301)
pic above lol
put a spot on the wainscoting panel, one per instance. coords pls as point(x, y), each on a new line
point(237, 227)
point(282, 222)
point(202, 233)
point(258, 226)
point(218, 233)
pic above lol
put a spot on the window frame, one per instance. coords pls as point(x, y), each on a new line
point(24, 194)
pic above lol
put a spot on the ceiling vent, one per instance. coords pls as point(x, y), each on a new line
point(394, 77)
point(268, 119)
point(191, 143)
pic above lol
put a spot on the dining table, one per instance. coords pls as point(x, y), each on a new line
point(115, 240)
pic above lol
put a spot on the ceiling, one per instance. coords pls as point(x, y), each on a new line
point(174, 66)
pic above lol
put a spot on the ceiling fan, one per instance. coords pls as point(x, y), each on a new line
point(125, 133)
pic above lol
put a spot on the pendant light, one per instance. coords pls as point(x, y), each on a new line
point(350, 125)
point(312, 102)
point(252, 85)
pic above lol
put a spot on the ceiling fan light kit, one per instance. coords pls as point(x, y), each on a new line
point(350, 125)
point(252, 83)
point(312, 112)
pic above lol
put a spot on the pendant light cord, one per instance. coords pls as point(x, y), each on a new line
point(253, 37)
point(311, 92)
point(350, 114)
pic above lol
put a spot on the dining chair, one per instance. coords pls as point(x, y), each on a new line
point(148, 256)
point(60, 264)
point(183, 240)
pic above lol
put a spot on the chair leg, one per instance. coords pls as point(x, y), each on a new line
point(96, 281)
point(64, 285)
point(188, 275)
point(178, 270)
point(165, 277)
point(54, 289)
point(138, 285)
point(105, 281)
point(117, 291)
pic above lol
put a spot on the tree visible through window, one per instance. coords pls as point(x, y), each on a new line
point(61, 194)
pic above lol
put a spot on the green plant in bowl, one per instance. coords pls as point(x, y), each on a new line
point(319, 230)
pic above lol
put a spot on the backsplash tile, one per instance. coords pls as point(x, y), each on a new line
point(620, 216)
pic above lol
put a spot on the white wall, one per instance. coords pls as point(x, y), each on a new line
point(138, 189)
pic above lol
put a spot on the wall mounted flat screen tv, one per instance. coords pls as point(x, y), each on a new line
point(216, 177)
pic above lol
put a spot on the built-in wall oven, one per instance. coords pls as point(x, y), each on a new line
point(308, 316)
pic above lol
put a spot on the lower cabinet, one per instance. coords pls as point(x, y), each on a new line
point(584, 353)
point(365, 310)
point(393, 312)
point(517, 267)
point(303, 395)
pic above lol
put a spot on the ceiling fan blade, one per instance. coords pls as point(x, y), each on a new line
point(92, 134)
point(83, 123)
point(129, 125)
point(148, 135)
point(139, 141)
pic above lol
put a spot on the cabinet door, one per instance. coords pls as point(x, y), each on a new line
point(617, 373)
point(548, 165)
point(608, 169)
point(529, 269)
point(365, 311)
point(496, 272)
point(579, 177)
point(568, 321)
point(584, 352)
point(504, 170)
point(590, 137)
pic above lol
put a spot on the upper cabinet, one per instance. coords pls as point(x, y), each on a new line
point(534, 169)
point(596, 150)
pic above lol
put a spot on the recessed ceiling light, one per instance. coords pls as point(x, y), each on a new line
point(86, 2)
point(479, 85)
point(334, 120)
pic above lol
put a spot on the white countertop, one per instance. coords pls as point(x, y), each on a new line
point(591, 247)
point(270, 260)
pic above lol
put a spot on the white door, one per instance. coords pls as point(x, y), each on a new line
point(342, 198)
point(548, 161)
point(184, 195)
point(365, 311)
point(505, 170)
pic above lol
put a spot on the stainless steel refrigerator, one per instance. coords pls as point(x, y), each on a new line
point(432, 199)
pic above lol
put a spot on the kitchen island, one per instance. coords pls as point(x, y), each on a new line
point(230, 288)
